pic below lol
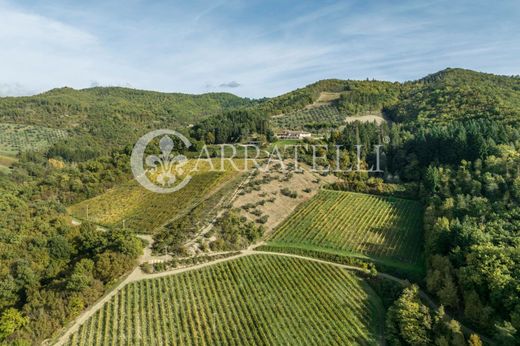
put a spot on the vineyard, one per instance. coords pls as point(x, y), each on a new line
point(16, 137)
point(253, 300)
point(309, 119)
point(143, 210)
point(345, 223)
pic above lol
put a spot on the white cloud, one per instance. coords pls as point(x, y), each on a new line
point(41, 53)
point(15, 89)
point(232, 84)
point(194, 48)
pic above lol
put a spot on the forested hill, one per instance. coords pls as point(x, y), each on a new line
point(445, 95)
point(354, 92)
point(104, 118)
point(450, 94)
point(453, 94)
point(69, 108)
point(100, 119)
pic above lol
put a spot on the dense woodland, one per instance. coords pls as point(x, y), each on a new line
point(232, 127)
point(454, 142)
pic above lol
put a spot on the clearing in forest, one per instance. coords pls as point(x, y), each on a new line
point(368, 117)
point(253, 300)
point(385, 229)
point(325, 98)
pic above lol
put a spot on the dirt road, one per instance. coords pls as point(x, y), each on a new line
point(137, 275)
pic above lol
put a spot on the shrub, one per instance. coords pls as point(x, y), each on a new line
point(147, 268)
point(256, 212)
point(289, 193)
point(263, 219)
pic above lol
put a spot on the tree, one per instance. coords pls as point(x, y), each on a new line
point(505, 334)
point(515, 189)
point(91, 239)
point(474, 309)
point(448, 293)
point(431, 179)
point(209, 138)
point(410, 319)
point(440, 329)
point(76, 305)
point(10, 321)
point(125, 242)
point(457, 337)
point(24, 274)
point(81, 276)
point(8, 290)
point(59, 247)
point(474, 340)
point(111, 265)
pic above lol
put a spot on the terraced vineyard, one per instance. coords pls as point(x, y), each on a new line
point(16, 137)
point(253, 300)
point(143, 210)
point(298, 120)
point(382, 228)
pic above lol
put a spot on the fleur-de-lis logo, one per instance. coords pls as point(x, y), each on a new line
point(160, 173)
point(166, 166)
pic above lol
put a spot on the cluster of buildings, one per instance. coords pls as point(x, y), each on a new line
point(287, 134)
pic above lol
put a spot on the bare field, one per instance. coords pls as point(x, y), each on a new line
point(368, 118)
point(275, 204)
point(325, 98)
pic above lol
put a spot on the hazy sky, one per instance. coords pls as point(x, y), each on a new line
point(250, 48)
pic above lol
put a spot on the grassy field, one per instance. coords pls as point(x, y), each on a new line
point(143, 210)
point(281, 142)
point(254, 300)
point(5, 162)
point(297, 120)
point(385, 229)
point(17, 137)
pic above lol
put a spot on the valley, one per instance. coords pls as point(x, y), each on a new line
point(424, 249)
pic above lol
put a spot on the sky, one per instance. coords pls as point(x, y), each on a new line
point(247, 47)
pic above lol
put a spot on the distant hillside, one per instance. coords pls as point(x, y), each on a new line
point(354, 96)
point(450, 94)
point(453, 94)
point(70, 108)
point(102, 118)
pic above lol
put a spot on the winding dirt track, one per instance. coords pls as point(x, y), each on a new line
point(137, 275)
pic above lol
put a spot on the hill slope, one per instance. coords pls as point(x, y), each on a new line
point(109, 117)
point(255, 300)
point(453, 94)
point(385, 229)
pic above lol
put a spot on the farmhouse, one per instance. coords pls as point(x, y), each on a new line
point(287, 134)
